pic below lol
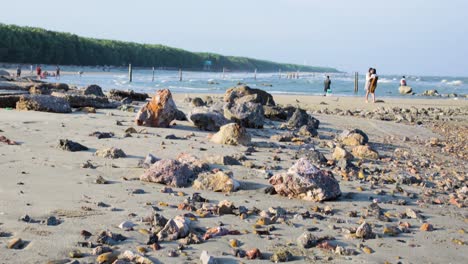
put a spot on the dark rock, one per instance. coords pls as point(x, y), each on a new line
point(207, 120)
point(261, 96)
point(119, 95)
point(101, 135)
point(69, 145)
point(93, 89)
point(78, 100)
point(43, 103)
point(302, 118)
point(197, 101)
point(246, 114)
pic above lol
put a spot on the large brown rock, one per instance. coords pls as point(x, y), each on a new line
point(354, 137)
point(305, 181)
point(217, 182)
point(159, 112)
point(365, 152)
point(232, 134)
point(260, 96)
point(43, 103)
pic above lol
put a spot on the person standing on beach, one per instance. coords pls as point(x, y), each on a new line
point(368, 75)
point(372, 85)
point(38, 71)
point(57, 72)
point(18, 72)
point(403, 81)
point(326, 85)
point(32, 71)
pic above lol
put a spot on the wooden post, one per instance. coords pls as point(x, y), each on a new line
point(180, 75)
point(297, 74)
point(356, 82)
point(279, 73)
point(153, 75)
point(223, 74)
point(130, 72)
point(255, 74)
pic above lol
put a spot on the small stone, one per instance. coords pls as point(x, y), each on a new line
point(364, 231)
point(110, 153)
point(205, 258)
point(75, 254)
point(234, 243)
point(100, 180)
point(281, 255)
point(126, 225)
point(69, 145)
point(254, 254)
point(51, 221)
point(106, 258)
point(307, 240)
point(426, 227)
point(15, 243)
point(367, 250)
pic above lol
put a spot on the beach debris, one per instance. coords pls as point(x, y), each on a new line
point(101, 135)
point(43, 103)
point(365, 152)
point(159, 112)
point(206, 119)
point(353, 137)
point(205, 258)
point(7, 141)
point(259, 96)
point(232, 134)
point(110, 153)
point(121, 94)
point(175, 228)
point(246, 114)
point(69, 145)
point(217, 182)
point(93, 89)
point(305, 181)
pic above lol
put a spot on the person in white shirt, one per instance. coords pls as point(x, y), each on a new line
point(372, 85)
point(403, 81)
point(368, 75)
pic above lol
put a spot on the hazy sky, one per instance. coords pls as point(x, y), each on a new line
point(396, 36)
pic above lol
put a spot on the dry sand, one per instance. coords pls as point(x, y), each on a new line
point(40, 180)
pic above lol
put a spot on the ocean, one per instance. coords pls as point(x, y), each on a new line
point(216, 82)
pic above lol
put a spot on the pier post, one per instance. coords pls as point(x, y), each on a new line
point(279, 73)
point(180, 75)
point(153, 75)
point(356, 82)
point(223, 73)
point(255, 74)
point(130, 72)
point(297, 75)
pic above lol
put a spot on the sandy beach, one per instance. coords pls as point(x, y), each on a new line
point(39, 180)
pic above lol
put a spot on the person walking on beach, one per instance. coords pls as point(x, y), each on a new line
point(18, 72)
point(57, 72)
point(38, 71)
point(372, 85)
point(326, 85)
point(403, 81)
point(368, 75)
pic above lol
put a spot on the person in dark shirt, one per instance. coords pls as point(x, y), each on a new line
point(18, 72)
point(326, 85)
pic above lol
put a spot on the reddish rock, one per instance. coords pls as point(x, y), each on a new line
point(169, 172)
point(159, 112)
point(426, 227)
point(254, 254)
point(305, 181)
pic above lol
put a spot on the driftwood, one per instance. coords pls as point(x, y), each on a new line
point(120, 94)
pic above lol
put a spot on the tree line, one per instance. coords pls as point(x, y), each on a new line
point(39, 46)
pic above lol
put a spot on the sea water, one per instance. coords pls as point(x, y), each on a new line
point(217, 82)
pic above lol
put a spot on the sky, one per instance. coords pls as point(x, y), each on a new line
point(420, 37)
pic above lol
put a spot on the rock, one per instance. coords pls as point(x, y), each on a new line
point(169, 172)
point(305, 181)
point(75, 254)
point(232, 134)
point(178, 227)
point(426, 227)
point(311, 154)
point(405, 90)
point(51, 221)
point(431, 93)
point(207, 120)
point(205, 258)
point(180, 116)
point(222, 160)
point(281, 255)
point(126, 225)
point(261, 97)
point(413, 214)
point(149, 160)
point(69, 145)
point(100, 250)
point(197, 101)
point(78, 100)
point(4, 73)
point(106, 258)
point(88, 110)
point(16, 243)
point(254, 254)
point(101, 135)
point(354, 137)
point(341, 153)
point(93, 89)
point(159, 112)
point(119, 95)
point(43, 103)
point(364, 231)
point(307, 240)
point(196, 165)
point(110, 153)
point(301, 118)
point(283, 137)
point(307, 131)
point(365, 152)
point(40, 89)
point(217, 182)
point(275, 113)
point(9, 100)
point(246, 114)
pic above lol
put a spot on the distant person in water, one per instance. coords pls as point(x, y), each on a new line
point(374, 78)
point(368, 75)
point(326, 85)
point(38, 71)
point(57, 72)
point(18, 72)
point(80, 73)
point(403, 81)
